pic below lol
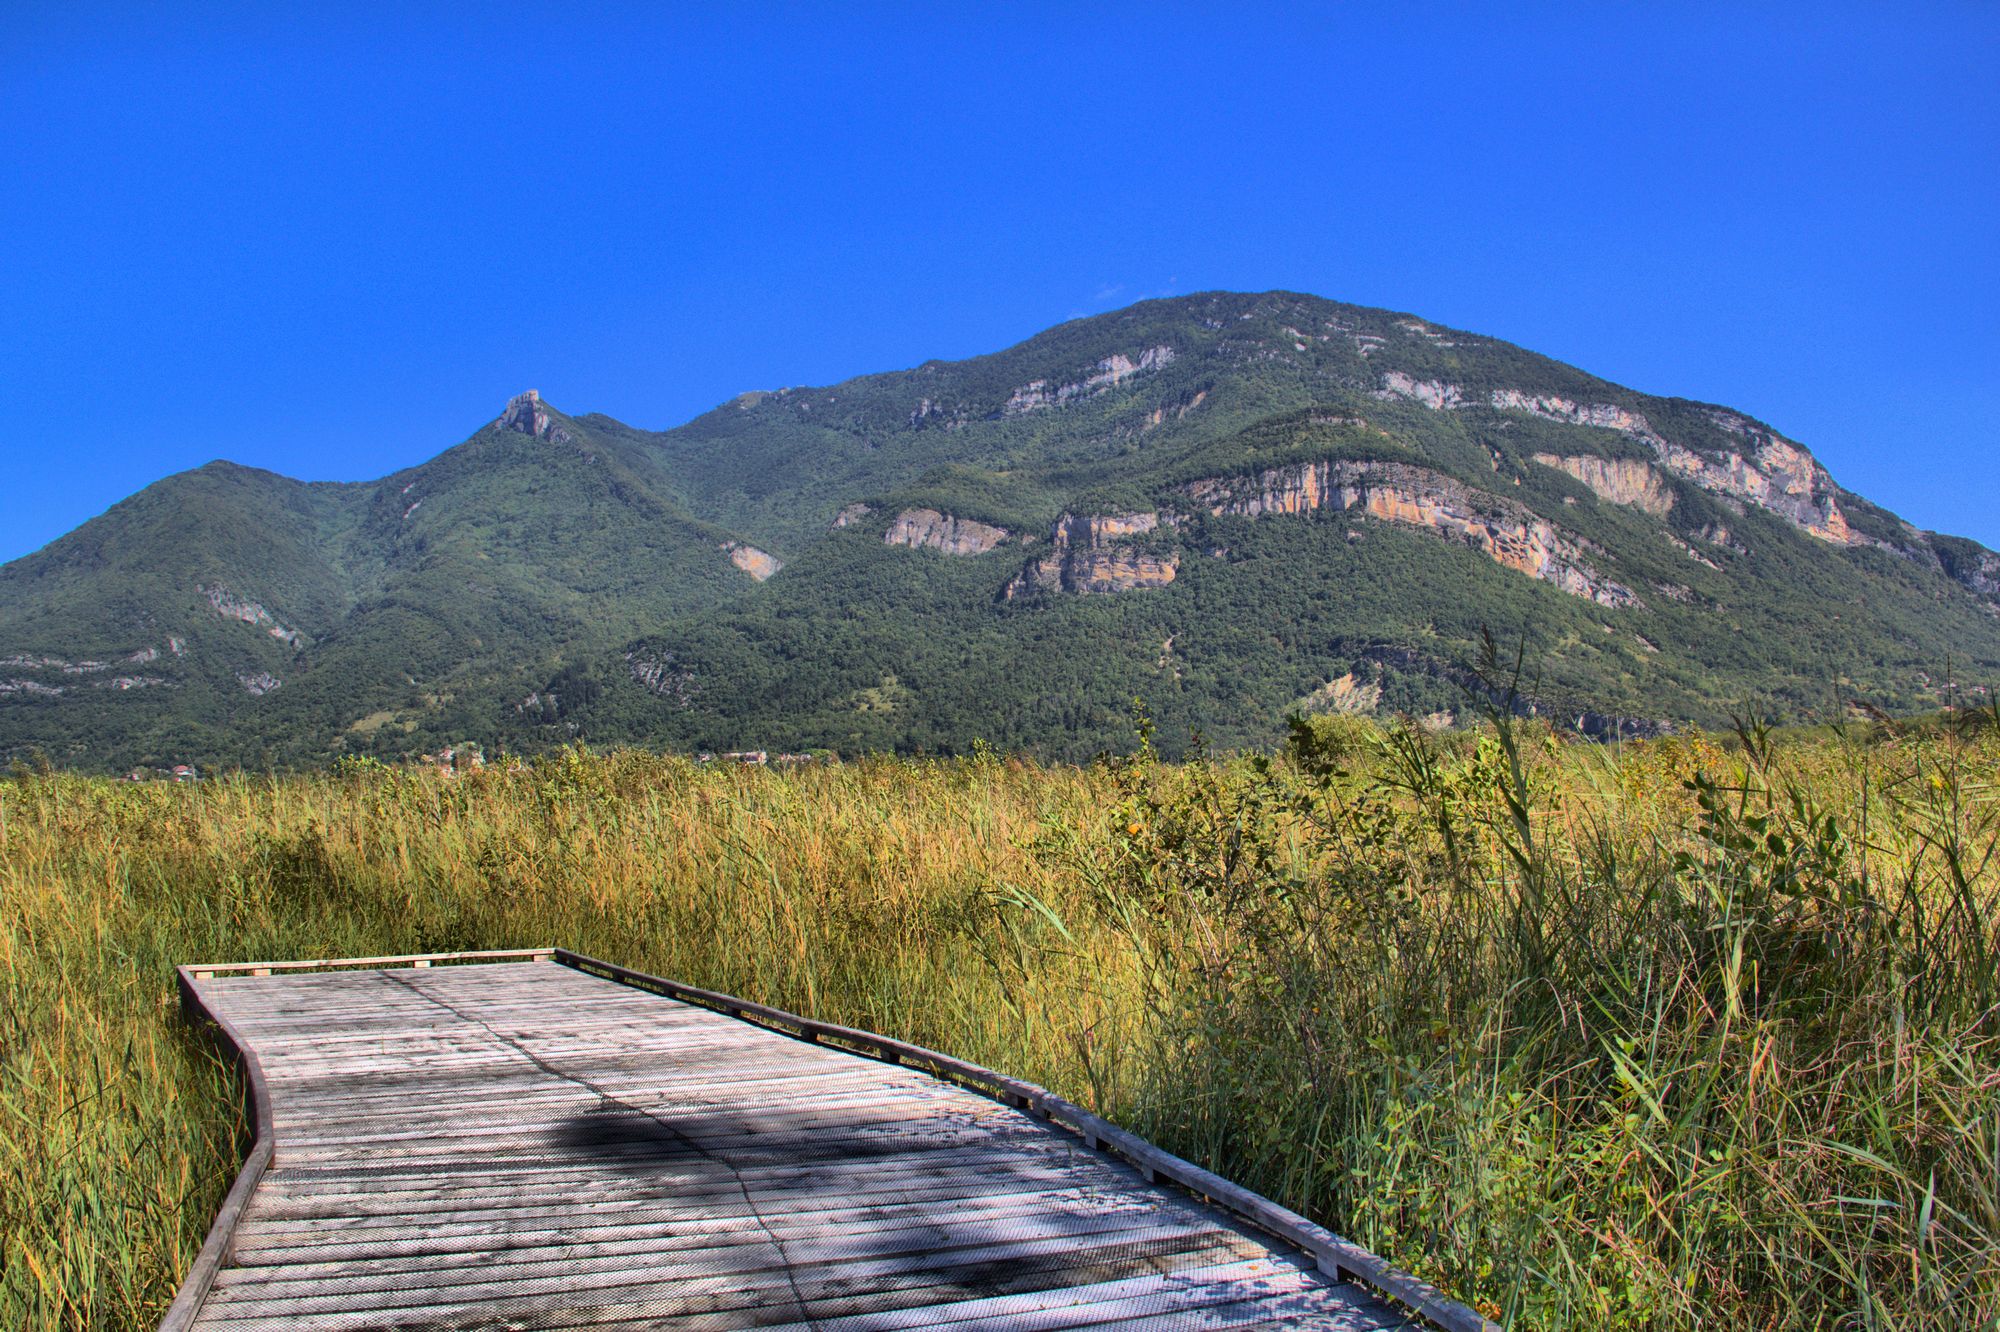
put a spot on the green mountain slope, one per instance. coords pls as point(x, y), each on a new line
point(231, 615)
point(1232, 506)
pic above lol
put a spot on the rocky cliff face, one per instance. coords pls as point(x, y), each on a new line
point(1777, 475)
point(82, 675)
point(662, 675)
point(1413, 496)
point(1773, 473)
point(526, 415)
point(1430, 392)
point(1094, 553)
point(1112, 371)
point(232, 607)
point(258, 683)
point(1770, 472)
point(1619, 480)
point(1973, 566)
point(1343, 696)
point(1603, 415)
point(928, 529)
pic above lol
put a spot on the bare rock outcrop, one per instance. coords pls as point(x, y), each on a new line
point(1777, 475)
point(1603, 415)
point(1506, 532)
point(1037, 394)
point(59, 665)
point(928, 414)
point(1343, 696)
point(46, 663)
point(850, 514)
point(757, 563)
point(1972, 566)
point(1770, 472)
point(232, 607)
point(1187, 403)
point(661, 675)
point(1620, 480)
point(1095, 553)
point(930, 530)
point(1432, 393)
point(526, 415)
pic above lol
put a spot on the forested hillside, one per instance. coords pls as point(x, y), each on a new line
point(1233, 507)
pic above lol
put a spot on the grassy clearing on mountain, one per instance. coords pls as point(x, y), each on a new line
point(1671, 1036)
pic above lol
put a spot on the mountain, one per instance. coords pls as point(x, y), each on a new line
point(1233, 507)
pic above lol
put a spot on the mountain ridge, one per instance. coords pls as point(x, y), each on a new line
point(1224, 504)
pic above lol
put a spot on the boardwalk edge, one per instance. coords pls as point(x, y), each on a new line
point(1336, 1257)
point(214, 1251)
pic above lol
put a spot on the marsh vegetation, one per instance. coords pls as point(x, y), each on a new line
point(1681, 1034)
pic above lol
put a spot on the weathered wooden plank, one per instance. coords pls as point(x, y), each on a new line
point(637, 1173)
point(584, 1185)
point(690, 1192)
point(738, 1252)
point(641, 1145)
point(481, 1075)
point(1261, 1282)
point(655, 1095)
point(580, 1232)
point(337, 1217)
point(943, 1161)
point(635, 1163)
point(841, 1123)
point(713, 1284)
point(494, 1060)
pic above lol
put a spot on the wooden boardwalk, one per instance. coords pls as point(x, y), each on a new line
point(526, 1145)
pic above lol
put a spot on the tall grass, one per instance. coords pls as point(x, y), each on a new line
point(1662, 1038)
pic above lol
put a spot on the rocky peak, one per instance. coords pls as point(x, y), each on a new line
point(527, 415)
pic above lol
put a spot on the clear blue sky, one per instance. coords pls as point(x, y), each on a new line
point(333, 246)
